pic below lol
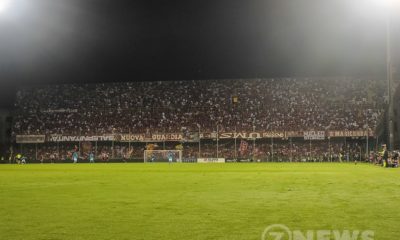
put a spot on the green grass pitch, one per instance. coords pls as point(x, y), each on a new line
point(194, 201)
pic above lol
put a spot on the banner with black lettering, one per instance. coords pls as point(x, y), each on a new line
point(192, 136)
point(61, 138)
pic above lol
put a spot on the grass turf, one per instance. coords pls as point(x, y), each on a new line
point(194, 201)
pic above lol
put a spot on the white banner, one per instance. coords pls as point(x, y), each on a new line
point(211, 160)
point(314, 135)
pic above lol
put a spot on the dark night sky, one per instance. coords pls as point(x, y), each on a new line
point(53, 41)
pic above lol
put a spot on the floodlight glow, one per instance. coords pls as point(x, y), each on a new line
point(387, 3)
point(4, 4)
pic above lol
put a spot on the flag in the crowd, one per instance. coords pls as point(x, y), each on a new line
point(243, 146)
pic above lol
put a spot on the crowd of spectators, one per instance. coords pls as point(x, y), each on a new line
point(160, 107)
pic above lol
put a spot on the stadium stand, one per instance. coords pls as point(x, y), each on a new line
point(287, 104)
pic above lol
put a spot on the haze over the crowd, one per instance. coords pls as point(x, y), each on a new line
point(55, 41)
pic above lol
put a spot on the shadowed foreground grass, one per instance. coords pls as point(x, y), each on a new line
point(194, 201)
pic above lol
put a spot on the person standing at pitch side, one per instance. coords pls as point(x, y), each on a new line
point(385, 156)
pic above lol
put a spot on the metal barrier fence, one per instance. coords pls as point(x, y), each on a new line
point(257, 150)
